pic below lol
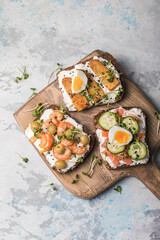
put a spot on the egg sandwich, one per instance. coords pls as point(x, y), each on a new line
point(93, 82)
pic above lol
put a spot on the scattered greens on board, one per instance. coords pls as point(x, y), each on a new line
point(94, 161)
point(77, 178)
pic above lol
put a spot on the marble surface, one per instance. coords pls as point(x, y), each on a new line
point(39, 34)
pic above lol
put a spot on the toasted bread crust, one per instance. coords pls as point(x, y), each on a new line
point(108, 57)
point(95, 122)
point(92, 141)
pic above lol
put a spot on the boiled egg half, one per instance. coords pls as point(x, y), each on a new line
point(119, 135)
point(79, 81)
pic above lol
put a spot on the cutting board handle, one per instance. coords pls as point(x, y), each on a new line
point(150, 175)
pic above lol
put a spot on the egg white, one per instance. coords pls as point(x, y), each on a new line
point(84, 79)
point(112, 132)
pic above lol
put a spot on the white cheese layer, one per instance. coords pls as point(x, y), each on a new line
point(49, 155)
point(70, 74)
point(138, 112)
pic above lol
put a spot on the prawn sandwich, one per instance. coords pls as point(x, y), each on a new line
point(63, 142)
point(121, 136)
point(95, 82)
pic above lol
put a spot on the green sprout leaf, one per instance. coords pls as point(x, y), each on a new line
point(118, 189)
point(33, 92)
point(50, 185)
point(62, 110)
point(24, 75)
point(24, 159)
point(157, 115)
point(59, 67)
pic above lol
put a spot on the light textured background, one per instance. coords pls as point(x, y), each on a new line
point(39, 34)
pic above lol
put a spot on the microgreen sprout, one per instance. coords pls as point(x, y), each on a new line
point(157, 115)
point(24, 159)
point(120, 91)
point(94, 161)
point(37, 131)
point(105, 97)
point(49, 185)
point(109, 75)
point(33, 92)
point(62, 110)
point(24, 75)
point(77, 178)
point(38, 109)
point(118, 189)
point(59, 67)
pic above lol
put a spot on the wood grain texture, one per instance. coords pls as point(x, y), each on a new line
point(102, 178)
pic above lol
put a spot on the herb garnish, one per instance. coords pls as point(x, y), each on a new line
point(24, 75)
point(49, 185)
point(94, 161)
point(37, 131)
point(118, 189)
point(62, 110)
point(24, 159)
point(40, 121)
point(72, 137)
point(33, 92)
point(37, 110)
point(77, 178)
point(59, 67)
point(158, 118)
point(105, 97)
point(108, 63)
point(120, 91)
point(109, 75)
point(89, 97)
point(83, 92)
point(80, 159)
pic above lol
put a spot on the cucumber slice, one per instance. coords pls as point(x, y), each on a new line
point(131, 124)
point(114, 147)
point(107, 120)
point(137, 150)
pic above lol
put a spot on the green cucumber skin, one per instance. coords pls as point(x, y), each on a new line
point(114, 152)
point(135, 121)
point(140, 157)
point(102, 125)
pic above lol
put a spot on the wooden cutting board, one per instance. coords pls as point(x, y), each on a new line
point(102, 178)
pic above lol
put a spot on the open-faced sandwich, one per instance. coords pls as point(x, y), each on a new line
point(121, 135)
point(94, 82)
point(63, 142)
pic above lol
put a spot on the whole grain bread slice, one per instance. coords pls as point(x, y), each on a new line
point(95, 122)
point(108, 57)
point(92, 141)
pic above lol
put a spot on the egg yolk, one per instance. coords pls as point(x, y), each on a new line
point(121, 137)
point(77, 83)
